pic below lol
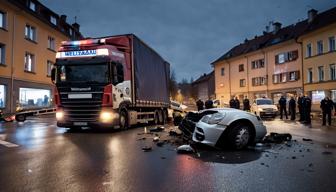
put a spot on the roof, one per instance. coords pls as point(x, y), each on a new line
point(204, 77)
point(43, 13)
point(284, 34)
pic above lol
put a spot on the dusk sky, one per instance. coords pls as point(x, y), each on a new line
point(189, 34)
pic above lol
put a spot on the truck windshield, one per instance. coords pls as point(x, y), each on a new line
point(93, 73)
point(264, 102)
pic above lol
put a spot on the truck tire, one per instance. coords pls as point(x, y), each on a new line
point(123, 119)
point(160, 115)
point(165, 116)
point(156, 117)
point(20, 117)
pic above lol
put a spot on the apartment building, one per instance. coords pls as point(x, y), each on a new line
point(319, 56)
point(30, 34)
point(273, 64)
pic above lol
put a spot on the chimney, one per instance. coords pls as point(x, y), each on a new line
point(276, 27)
point(311, 15)
point(63, 18)
point(76, 26)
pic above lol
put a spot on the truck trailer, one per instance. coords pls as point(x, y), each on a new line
point(110, 82)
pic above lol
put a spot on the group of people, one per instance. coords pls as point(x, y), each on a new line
point(235, 103)
point(200, 104)
point(303, 103)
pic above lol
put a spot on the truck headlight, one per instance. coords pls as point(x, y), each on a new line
point(106, 116)
point(59, 115)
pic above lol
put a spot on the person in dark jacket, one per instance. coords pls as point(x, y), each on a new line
point(292, 108)
point(200, 105)
point(326, 106)
point(232, 102)
point(306, 107)
point(237, 103)
point(282, 104)
point(209, 104)
point(246, 104)
point(299, 103)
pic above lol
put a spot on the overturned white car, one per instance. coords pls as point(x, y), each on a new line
point(223, 127)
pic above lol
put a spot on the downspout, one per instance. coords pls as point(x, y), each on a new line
point(296, 40)
point(11, 106)
point(266, 67)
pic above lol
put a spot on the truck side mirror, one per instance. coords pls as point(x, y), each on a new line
point(53, 75)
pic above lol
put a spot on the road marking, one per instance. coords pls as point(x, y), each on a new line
point(5, 143)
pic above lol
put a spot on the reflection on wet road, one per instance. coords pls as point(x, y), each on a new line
point(49, 158)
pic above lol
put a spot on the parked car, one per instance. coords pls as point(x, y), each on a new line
point(223, 127)
point(264, 107)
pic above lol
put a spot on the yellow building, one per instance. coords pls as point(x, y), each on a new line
point(273, 64)
point(30, 34)
point(319, 62)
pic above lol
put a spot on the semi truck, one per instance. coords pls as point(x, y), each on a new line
point(110, 82)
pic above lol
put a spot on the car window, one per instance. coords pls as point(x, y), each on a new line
point(264, 102)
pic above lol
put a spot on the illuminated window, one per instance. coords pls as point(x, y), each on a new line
point(51, 43)
point(34, 98)
point(32, 6)
point(294, 75)
point(2, 20)
point(49, 67)
point(317, 96)
point(2, 53)
point(29, 62)
point(53, 20)
point(2, 96)
point(30, 32)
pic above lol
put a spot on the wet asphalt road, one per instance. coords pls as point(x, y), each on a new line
point(48, 158)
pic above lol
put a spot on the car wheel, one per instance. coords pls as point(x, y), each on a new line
point(123, 123)
point(239, 136)
point(20, 118)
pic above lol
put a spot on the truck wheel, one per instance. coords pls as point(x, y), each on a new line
point(160, 114)
point(20, 118)
point(156, 118)
point(165, 116)
point(239, 136)
point(123, 122)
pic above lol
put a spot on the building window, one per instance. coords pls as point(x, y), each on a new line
point(258, 64)
point(317, 96)
point(2, 53)
point(51, 43)
point(29, 62)
point(241, 67)
point(332, 44)
point(2, 96)
point(320, 73)
point(2, 20)
point(276, 78)
point(283, 77)
point(30, 32)
point(257, 81)
point(319, 47)
point(53, 20)
point(32, 6)
point(222, 71)
point(333, 95)
point(332, 72)
point(242, 82)
point(310, 75)
point(286, 57)
point(49, 67)
point(34, 98)
point(309, 50)
point(294, 75)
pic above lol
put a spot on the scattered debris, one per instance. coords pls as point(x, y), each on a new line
point(262, 163)
point(293, 157)
point(160, 143)
point(304, 139)
point(310, 165)
point(326, 153)
point(163, 157)
point(156, 129)
point(156, 139)
point(277, 137)
point(29, 171)
point(143, 138)
point(146, 148)
point(185, 149)
point(174, 133)
point(259, 145)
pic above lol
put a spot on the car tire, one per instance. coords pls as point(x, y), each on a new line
point(239, 136)
point(123, 119)
point(20, 118)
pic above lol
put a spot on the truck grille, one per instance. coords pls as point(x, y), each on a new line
point(81, 109)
